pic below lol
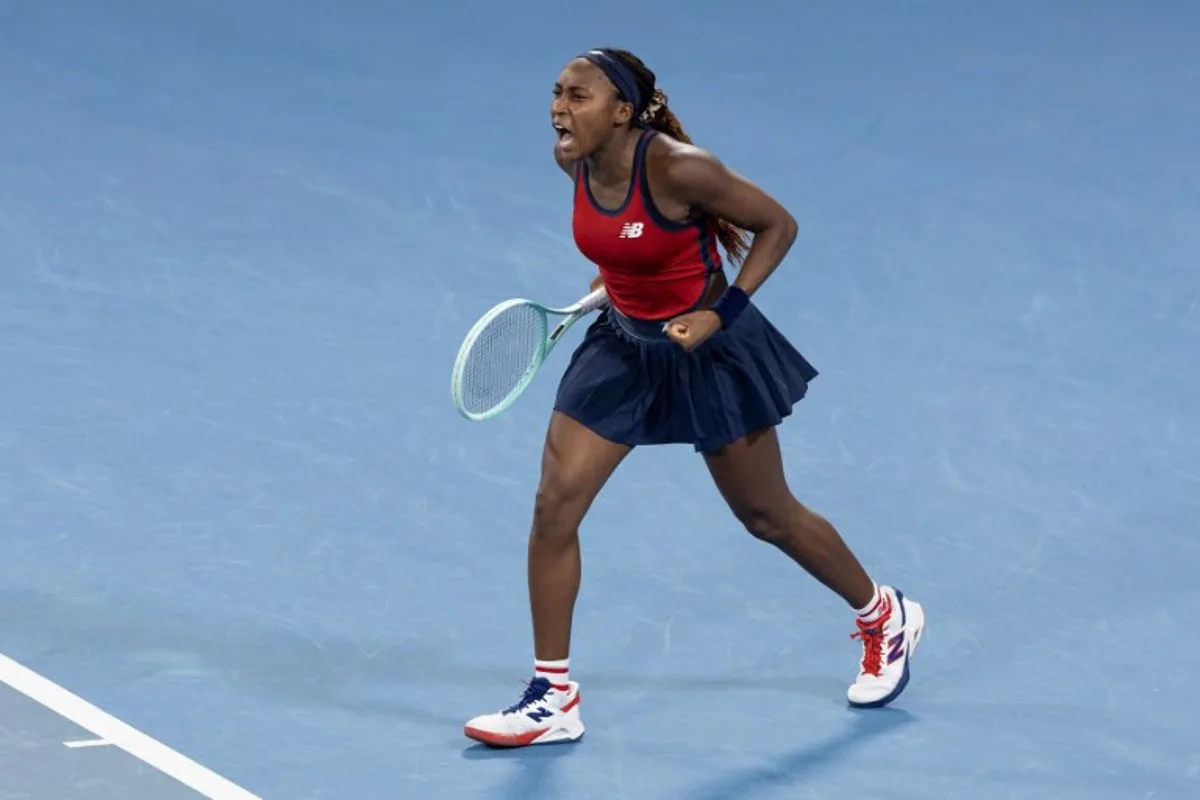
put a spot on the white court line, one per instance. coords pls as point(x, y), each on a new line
point(112, 730)
point(87, 743)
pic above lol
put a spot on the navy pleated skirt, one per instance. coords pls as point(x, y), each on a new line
point(630, 384)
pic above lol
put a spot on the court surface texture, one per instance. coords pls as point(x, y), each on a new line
point(251, 551)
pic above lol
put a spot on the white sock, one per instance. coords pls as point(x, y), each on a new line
point(557, 672)
point(874, 608)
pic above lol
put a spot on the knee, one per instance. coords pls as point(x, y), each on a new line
point(770, 524)
point(555, 512)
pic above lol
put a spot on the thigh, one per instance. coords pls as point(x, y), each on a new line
point(749, 474)
point(576, 463)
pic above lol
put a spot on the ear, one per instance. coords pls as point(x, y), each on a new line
point(623, 114)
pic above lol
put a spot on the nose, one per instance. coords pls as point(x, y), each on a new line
point(558, 106)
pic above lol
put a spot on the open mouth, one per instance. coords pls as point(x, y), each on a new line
point(565, 137)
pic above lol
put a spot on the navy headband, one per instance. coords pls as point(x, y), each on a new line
point(622, 77)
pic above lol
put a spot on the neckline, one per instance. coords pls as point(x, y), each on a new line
point(639, 159)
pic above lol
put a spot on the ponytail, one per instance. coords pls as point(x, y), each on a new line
point(660, 117)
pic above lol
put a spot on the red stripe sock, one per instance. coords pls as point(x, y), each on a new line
point(557, 672)
point(872, 610)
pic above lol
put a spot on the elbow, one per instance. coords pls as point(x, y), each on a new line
point(788, 229)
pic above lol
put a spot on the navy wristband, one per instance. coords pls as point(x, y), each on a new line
point(733, 301)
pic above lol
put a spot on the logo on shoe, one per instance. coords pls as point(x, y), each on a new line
point(539, 714)
point(896, 648)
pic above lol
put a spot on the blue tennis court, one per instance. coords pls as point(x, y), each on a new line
point(249, 546)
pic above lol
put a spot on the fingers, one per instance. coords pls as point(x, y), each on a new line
point(681, 333)
point(692, 330)
point(675, 328)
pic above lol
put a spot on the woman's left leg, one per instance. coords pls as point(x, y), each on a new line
point(749, 474)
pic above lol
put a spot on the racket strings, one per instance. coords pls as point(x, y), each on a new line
point(501, 357)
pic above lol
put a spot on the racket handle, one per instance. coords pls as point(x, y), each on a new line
point(593, 301)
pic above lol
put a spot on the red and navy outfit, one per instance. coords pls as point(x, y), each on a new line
point(652, 268)
point(627, 381)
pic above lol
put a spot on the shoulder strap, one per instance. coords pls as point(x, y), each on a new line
point(639, 155)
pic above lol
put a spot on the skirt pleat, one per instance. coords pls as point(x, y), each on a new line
point(630, 384)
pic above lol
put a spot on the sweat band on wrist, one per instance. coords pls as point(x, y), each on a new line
point(733, 301)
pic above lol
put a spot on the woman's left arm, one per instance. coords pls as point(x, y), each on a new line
point(695, 177)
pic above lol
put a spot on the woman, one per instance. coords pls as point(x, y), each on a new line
point(680, 356)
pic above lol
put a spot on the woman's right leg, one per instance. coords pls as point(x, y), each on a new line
point(576, 464)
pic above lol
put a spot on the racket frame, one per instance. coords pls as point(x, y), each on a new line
point(570, 315)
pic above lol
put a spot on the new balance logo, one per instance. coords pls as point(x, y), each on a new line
point(632, 230)
point(537, 715)
point(896, 648)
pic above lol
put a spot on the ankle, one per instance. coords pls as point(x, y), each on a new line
point(556, 670)
point(873, 607)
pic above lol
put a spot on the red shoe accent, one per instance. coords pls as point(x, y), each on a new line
point(871, 634)
point(503, 739)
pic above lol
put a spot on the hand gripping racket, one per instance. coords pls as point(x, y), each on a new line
point(504, 350)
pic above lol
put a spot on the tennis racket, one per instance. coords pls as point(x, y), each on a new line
point(504, 350)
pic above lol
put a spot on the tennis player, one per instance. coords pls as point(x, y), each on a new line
point(679, 356)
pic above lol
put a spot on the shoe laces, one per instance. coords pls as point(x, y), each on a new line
point(535, 692)
point(871, 634)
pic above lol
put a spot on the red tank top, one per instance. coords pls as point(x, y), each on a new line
point(653, 268)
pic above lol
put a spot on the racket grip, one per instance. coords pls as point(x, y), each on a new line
point(593, 301)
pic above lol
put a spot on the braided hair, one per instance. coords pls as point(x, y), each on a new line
point(660, 117)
